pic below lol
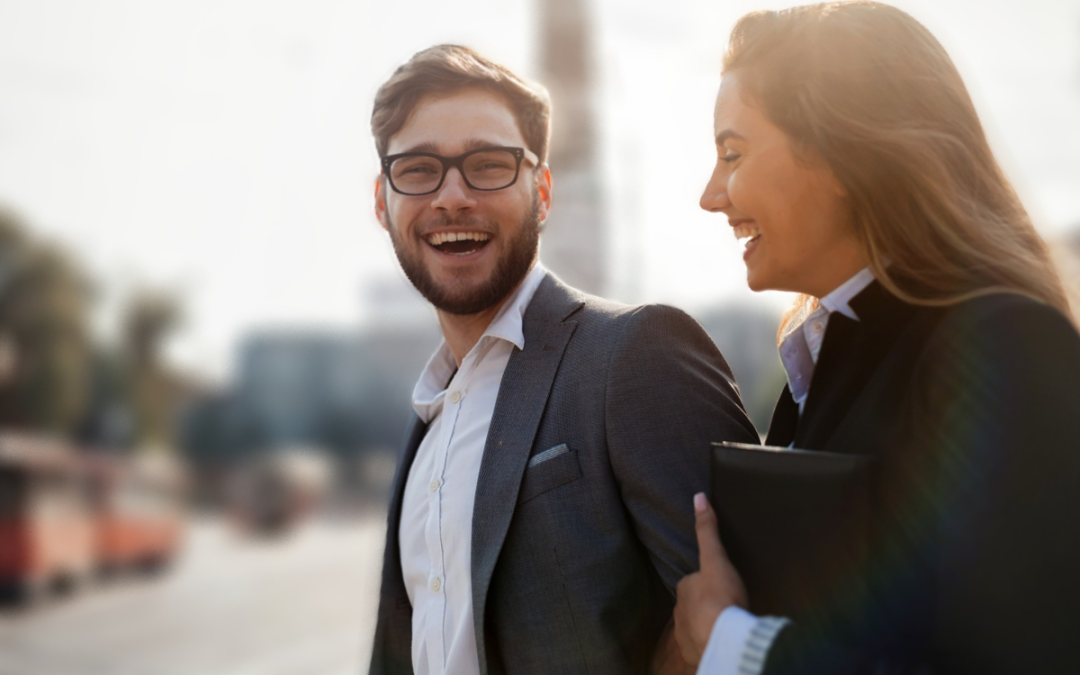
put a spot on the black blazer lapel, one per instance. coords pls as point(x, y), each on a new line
point(850, 354)
point(785, 420)
point(520, 405)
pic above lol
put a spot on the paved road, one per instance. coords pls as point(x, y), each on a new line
point(304, 605)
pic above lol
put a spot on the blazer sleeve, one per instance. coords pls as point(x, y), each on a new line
point(978, 571)
point(669, 394)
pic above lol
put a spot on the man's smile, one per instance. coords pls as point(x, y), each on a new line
point(457, 243)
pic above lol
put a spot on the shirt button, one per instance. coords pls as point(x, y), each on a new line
point(455, 397)
point(435, 485)
point(817, 326)
point(436, 584)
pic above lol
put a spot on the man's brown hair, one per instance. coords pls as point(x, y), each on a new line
point(445, 69)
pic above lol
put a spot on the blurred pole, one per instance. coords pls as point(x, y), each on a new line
point(574, 245)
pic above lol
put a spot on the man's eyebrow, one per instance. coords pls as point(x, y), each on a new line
point(726, 134)
point(426, 146)
point(477, 143)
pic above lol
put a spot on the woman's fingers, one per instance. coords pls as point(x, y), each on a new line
point(711, 555)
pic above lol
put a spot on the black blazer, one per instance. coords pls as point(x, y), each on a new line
point(973, 415)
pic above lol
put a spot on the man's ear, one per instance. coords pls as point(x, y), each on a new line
point(543, 191)
point(380, 202)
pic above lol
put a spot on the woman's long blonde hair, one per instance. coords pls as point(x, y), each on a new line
point(866, 88)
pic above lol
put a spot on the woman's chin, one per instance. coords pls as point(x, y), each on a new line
point(756, 283)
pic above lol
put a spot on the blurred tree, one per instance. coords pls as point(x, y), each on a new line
point(153, 391)
point(45, 347)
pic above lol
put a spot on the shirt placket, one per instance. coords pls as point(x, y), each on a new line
point(436, 623)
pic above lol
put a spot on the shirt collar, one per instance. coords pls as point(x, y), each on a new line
point(508, 325)
point(800, 347)
point(839, 300)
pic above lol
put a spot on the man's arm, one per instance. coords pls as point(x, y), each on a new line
point(670, 393)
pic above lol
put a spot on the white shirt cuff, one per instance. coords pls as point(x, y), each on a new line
point(729, 636)
point(739, 643)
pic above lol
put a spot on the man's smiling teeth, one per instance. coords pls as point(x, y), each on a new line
point(439, 238)
point(746, 231)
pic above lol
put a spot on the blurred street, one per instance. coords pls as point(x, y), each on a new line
point(304, 603)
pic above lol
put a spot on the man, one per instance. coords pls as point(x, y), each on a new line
point(540, 517)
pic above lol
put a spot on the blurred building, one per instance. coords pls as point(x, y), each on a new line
point(574, 244)
point(349, 391)
point(346, 391)
point(745, 336)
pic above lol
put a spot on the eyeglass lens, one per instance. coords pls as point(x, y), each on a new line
point(484, 170)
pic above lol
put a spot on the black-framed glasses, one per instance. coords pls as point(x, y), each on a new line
point(487, 169)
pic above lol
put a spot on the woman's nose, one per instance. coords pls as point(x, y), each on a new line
point(715, 198)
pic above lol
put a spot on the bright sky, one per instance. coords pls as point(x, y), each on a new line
point(222, 148)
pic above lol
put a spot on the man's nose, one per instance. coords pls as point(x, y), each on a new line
point(454, 194)
point(715, 198)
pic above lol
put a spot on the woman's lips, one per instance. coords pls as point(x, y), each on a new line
point(750, 245)
point(748, 232)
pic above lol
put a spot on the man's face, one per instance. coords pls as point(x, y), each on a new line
point(496, 233)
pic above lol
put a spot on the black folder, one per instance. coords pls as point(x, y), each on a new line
point(795, 523)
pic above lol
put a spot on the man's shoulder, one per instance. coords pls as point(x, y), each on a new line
point(603, 312)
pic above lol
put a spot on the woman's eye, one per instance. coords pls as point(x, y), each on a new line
point(730, 157)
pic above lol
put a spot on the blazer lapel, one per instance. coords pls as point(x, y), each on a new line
point(415, 434)
point(393, 629)
point(785, 420)
point(520, 405)
point(849, 357)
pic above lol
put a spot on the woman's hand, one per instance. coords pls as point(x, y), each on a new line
point(701, 596)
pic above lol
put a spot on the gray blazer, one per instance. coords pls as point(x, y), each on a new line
point(583, 521)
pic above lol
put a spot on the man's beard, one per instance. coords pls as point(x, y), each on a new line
point(456, 298)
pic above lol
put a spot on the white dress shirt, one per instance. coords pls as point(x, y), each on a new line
point(740, 641)
point(435, 532)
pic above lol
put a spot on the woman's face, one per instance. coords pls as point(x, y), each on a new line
point(790, 212)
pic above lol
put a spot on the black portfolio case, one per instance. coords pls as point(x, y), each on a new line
point(795, 523)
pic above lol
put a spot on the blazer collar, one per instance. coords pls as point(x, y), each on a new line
point(850, 353)
point(519, 407)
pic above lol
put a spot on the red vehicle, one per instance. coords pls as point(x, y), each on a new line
point(138, 511)
point(65, 515)
point(46, 525)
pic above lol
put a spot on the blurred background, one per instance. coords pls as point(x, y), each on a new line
point(207, 348)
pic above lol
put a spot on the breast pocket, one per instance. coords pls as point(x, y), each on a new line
point(548, 470)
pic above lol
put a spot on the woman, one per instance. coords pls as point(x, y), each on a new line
point(931, 333)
